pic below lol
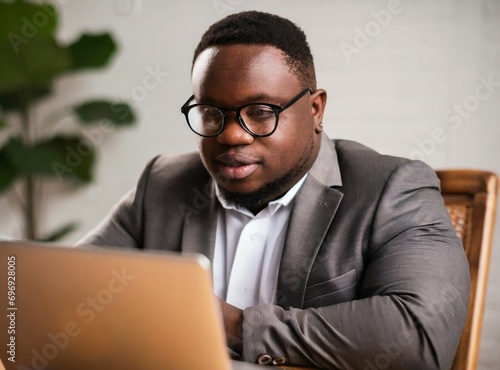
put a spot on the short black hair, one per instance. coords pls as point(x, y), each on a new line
point(253, 27)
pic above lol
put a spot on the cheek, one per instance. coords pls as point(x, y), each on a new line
point(286, 151)
point(294, 137)
point(207, 144)
point(206, 151)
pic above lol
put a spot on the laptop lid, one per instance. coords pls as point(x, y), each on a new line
point(95, 308)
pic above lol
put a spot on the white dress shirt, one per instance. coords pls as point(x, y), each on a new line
point(248, 250)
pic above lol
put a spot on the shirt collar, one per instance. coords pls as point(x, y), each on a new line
point(272, 207)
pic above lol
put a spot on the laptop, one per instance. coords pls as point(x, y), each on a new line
point(101, 309)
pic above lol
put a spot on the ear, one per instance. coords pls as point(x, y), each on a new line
point(318, 103)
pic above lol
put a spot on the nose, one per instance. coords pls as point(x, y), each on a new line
point(233, 133)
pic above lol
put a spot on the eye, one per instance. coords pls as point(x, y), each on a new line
point(259, 112)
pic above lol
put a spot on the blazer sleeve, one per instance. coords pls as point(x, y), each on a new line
point(413, 294)
point(124, 225)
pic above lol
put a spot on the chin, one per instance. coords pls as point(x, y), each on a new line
point(249, 200)
point(257, 198)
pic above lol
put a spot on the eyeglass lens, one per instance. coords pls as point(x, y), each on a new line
point(207, 120)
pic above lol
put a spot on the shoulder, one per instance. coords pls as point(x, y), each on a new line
point(185, 165)
point(351, 153)
point(164, 174)
point(362, 165)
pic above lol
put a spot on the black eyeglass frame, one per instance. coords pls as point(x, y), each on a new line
point(276, 109)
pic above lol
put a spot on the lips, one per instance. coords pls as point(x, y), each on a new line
point(236, 166)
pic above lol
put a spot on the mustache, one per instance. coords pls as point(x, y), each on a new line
point(236, 159)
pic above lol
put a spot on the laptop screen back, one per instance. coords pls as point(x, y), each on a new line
point(93, 308)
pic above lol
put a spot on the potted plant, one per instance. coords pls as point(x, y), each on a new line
point(33, 150)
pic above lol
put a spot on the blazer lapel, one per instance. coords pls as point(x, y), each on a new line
point(200, 224)
point(315, 206)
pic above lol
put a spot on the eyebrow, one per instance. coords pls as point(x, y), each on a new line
point(257, 98)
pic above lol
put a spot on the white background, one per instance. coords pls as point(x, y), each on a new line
point(389, 95)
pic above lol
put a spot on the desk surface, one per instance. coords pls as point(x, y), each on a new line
point(239, 365)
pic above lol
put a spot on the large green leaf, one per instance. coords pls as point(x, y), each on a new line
point(8, 173)
point(35, 65)
point(11, 72)
point(29, 159)
point(44, 59)
point(92, 51)
point(75, 159)
point(64, 158)
point(16, 101)
point(3, 124)
point(26, 19)
point(117, 113)
point(30, 56)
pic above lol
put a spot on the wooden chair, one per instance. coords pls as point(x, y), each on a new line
point(471, 198)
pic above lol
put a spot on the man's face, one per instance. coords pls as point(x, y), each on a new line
point(252, 170)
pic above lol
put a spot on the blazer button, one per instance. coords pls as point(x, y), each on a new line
point(265, 360)
point(279, 360)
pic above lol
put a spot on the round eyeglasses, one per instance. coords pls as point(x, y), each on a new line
point(258, 119)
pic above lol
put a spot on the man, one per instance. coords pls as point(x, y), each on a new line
point(325, 253)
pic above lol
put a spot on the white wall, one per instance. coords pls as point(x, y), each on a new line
point(398, 90)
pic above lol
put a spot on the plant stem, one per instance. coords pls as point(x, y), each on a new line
point(30, 224)
point(29, 216)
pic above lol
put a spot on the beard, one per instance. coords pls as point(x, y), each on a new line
point(258, 199)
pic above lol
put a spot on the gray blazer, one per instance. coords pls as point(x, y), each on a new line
point(372, 275)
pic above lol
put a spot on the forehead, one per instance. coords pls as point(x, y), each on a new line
point(242, 70)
